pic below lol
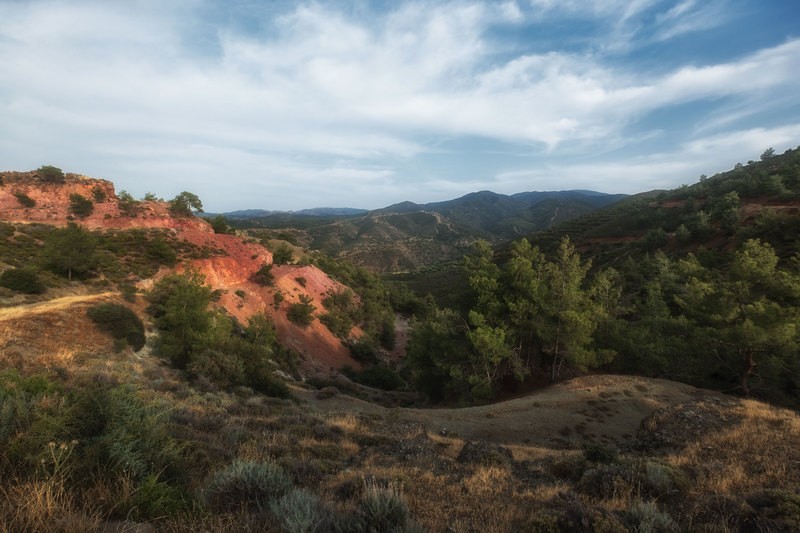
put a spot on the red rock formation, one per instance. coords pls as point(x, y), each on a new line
point(228, 271)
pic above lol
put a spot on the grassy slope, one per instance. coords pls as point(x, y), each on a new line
point(688, 457)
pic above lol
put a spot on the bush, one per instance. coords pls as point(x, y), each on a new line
point(99, 194)
point(128, 205)
point(300, 511)
point(263, 276)
point(22, 280)
point(121, 322)
point(382, 509)
point(600, 453)
point(50, 174)
point(277, 299)
point(80, 206)
point(220, 225)
point(244, 483)
point(645, 516)
point(24, 199)
point(282, 255)
point(301, 313)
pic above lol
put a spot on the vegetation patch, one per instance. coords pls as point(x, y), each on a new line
point(121, 321)
point(25, 280)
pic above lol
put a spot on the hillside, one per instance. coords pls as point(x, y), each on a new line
point(226, 262)
point(99, 435)
point(760, 199)
point(136, 446)
point(407, 236)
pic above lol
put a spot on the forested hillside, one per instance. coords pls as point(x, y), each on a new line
point(407, 236)
point(700, 285)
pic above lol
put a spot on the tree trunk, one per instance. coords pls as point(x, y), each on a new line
point(749, 367)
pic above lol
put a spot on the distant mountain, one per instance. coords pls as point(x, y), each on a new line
point(314, 212)
point(408, 236)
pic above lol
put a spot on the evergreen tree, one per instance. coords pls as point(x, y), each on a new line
point(569, 316)
point(178, 304)
point(71, 250)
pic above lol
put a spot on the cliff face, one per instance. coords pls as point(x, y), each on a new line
point(228, 270)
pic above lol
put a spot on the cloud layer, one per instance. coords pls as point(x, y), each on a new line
point(349, 104)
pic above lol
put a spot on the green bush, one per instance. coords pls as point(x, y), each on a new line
point(50, 174)
point(220, 225)
point(128, 205)
point(600, 453)
point(282, 255)
point(220, 366)
point(24, 199)
point(99, 194)
point(263, 276)
point(80, 206)
point(301, 313)
point(246, 484)
point(121, 322)
point(154, 499)
point(23, 280)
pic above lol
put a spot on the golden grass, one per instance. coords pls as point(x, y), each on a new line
point(44, 506)
point(762, 450)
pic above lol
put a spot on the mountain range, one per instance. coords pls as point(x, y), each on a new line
point(408, 236)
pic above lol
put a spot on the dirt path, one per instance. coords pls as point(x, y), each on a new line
point(592, 408)
point(57, 304)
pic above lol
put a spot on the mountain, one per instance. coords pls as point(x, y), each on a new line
point(409, 236)
point(314, 212)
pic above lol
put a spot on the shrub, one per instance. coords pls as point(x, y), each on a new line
point(364, 350)
point(50, 174)
point(220, 366)
point(80, 206)
point(301, 313)
point(220, 225)
point(277, 299)
point(24, 199)
point(98, 194)
point(22, 280)
point(301, 281)
point(300, 511)
point(121, 322)
point(382, 509)
point(645, 516)
point(128, 205)
point(263, 276)
point(244, 483)
point(282, 255)
point(600, 453)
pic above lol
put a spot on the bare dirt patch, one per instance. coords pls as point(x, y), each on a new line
point(602, 409)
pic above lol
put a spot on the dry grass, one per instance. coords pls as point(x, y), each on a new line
point(762, 450)
point(44, 506)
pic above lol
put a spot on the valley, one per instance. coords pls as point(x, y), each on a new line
point(182, 375)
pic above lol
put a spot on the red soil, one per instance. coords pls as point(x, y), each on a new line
point(229, 270)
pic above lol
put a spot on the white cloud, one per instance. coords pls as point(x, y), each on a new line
point(661, 170)
point(331, 101)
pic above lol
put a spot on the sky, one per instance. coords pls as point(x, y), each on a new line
point(355, 103)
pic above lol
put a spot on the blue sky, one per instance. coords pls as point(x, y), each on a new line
point(290, 105)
